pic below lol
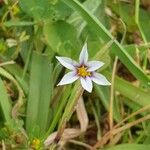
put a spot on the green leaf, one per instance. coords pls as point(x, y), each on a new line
point(17, 72)
point(35, 8)
point(40, 91)
point(45, 9)
point(103, 94)
point(58, 108)
point(130, 91)
point(62, 38)
point(126, 13)
point(129, 147)
point(18, 23)
point(76, 19)
point(144, 17)
point(4, 102)
point(104, 34)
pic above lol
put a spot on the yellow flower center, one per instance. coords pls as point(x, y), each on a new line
point(36, 144)
point(82, 71)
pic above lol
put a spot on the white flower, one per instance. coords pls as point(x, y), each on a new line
point(84, 71)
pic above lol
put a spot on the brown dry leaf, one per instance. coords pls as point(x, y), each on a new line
point(82, 115)
point(115, 139)
point(70, 133)
point(146, 3)
point(67, 134)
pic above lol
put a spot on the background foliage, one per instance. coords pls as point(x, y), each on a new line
point(35, 112)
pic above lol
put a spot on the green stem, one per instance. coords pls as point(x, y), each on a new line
point(137, 10)
point(63, 101)
point(76, 93)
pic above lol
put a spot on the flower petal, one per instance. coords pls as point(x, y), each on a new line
point(68, 78)
point(100, 79)
point(87, 84)
point(83, 58)
point(94, 65)
point(67, 62)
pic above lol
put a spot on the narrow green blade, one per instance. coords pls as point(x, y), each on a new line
point(39, 93)
point(4, 102)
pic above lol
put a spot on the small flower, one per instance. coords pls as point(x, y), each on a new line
point(84, 71)
point(35, 144)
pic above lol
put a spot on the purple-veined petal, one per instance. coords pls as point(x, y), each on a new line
point(99, 79)
point(86, 83)
point(68, 78)
point(94, 65)
point(83, 58)
point(67, 62)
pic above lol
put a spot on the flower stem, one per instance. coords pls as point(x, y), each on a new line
point(76, 94)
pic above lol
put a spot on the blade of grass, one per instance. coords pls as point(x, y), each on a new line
point(17, 72)
point(137, 11)
point(59, 109)
point(18, 23)
point(103, 93)
point(72, 101)
point(116, 48)
point(39, 93)
point(20, 100)
point(4, 102)
point(135, 94)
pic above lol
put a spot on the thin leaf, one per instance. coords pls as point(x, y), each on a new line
point(82, 115)
point(39, 93)
point(4, 102)
point(135, 94)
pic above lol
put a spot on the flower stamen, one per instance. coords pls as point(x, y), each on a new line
point(82, 71)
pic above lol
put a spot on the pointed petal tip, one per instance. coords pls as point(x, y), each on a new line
point(58, 84)
point(83, 58)
point(57, 57)
point(94, 65)
point(66, 62)
point(87, 84)
point(90, 91)
point(68, 78)
point(109, 83)
point(85, 44)
point(100, 79)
